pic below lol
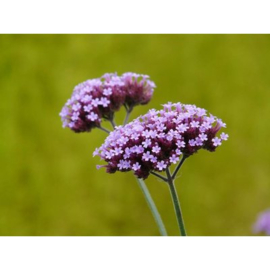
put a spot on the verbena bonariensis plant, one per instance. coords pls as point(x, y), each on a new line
point(262, 224)
point(98, 99)
point(151, 143)
point(148, 144)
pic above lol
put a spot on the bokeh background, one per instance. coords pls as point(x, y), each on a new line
point(48, 181)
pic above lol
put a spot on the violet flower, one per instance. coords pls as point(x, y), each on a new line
point(151, 143)
point(263, 223)
point(97, 99)
point(158, 139)
point(148, 144)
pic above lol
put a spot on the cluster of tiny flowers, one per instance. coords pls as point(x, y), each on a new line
point(156, 140)
point(263, 223)
point(99, 98)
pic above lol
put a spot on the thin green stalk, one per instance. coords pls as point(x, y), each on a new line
point(159, 176)
point(104, 129)
point(178, 167)
point(112, 123)
point(127, 115)
point(152, 207)
point(176, 204)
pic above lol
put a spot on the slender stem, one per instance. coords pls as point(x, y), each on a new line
point(177, 208)
point(178, 167)
point(168, 173)
point(159, 176)
point(110, 118)
point(126, 107)
point(104, 129)
point(112, 123)
point(127, 115)
point(152, 207)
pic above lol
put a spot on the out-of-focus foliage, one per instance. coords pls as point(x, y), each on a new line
point(49, 184)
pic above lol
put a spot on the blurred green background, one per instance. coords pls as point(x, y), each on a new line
point(48, 181)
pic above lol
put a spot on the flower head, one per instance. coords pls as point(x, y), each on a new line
point(158, 139)
point(97, 99)
point(138, 88)
point(263, 223)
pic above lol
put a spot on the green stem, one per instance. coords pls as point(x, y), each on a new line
point(104, 129)
point(127, 115)
point(177, 207)
point(152, 207)
point(159, 176)
point(178, 167)
point(112, 123)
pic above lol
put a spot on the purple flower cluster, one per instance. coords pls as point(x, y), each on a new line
point(99, 98)
point(263, 223)
point(156, 140)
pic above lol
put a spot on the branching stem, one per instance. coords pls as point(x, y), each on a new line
point(178, 167)
point(175, 199)
point(104, 129)
point(159, 176)
point(128, 112)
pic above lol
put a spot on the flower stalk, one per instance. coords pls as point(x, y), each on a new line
point(128, 112)
point(152, 207)
point(112, 123)
point(178, 167)
point(159, 176)
point(104, 129)
point(170, 180)
point(176, 204)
